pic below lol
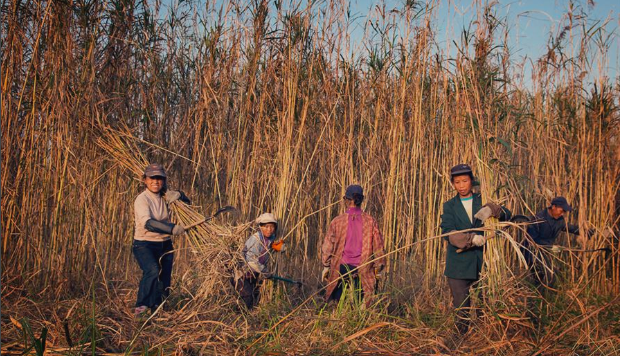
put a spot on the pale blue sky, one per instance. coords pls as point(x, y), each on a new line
point(531, 24)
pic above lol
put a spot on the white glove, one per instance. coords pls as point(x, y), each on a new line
point(178, 230)
point(483, 214)
point(172, 195)
point(325, 273)
point(478, 240)
point(255, 267)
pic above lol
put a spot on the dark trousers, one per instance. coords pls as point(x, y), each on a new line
point(248, 288)
point(155, 260)
point(351, 281)
point(461, 301)
point(542, 269)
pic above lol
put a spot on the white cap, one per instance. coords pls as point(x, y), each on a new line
point(266, 218)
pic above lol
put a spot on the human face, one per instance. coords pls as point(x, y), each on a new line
point(556, 212)
point(268, 229)
point(463, 185)
point(154, 184)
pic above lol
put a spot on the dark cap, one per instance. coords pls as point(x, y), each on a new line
point(154, 170)
point(352, 190)
point(460, 169)
point(562, 203)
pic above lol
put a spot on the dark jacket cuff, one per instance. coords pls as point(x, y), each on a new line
point(159, 226)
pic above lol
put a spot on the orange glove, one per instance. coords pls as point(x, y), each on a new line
point(278, 246)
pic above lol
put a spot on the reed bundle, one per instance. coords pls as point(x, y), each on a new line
point(218, 247)
point(121, 148)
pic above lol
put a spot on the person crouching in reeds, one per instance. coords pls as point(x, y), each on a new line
point(257, 253)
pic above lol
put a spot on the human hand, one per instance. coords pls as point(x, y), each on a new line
point(325, 273)
point(279, 246)
point(484, 213)
point(178, 230)
point(255, 267)
point(478, 240)
point(172, 196)
point(379, 272)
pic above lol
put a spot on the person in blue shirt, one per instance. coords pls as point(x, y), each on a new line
point(544, 230)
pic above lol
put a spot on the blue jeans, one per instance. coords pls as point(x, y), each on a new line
point(155, 260)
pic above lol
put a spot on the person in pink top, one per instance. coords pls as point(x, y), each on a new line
point(352, 243)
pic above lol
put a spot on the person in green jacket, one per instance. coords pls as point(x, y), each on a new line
point(464, 255)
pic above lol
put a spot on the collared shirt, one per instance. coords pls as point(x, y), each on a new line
point(353, 244)
point(545, 229)
point(372, 256)
point(149, 205)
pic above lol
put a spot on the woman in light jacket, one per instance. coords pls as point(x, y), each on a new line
point(152, 246)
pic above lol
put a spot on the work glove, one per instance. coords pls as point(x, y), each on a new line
point(461, 240)
point(484, 213)
point(478, 240)
point(264, 275)
point(325, 274)
point(172, 196)
point(255, 267)
point(488, 210)
point(278, 246)
point(178, 230)
point(556, 249)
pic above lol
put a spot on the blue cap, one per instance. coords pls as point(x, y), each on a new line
point(352, 190)
point(562, 203)
point(460, 169)
point(154, 170)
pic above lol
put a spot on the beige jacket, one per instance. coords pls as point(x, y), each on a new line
point(149, 205)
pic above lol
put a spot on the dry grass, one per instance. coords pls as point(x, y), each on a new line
point(266, 110)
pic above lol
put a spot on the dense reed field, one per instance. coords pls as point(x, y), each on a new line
point(267, 106)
